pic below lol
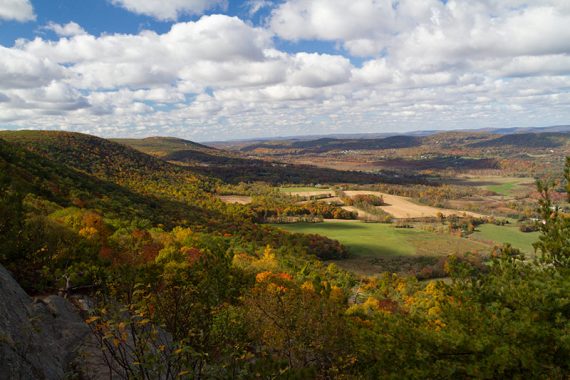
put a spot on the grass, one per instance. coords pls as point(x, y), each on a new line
point(507, 234)
point(503, 189)
point(375, 239)
point(505, 186)
point(363, 239)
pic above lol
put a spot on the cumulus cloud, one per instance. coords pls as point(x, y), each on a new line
point(20, 69)
point(18, 10)
point(68, 30)
point(168, 9)
point(418, 27)
point(427, 64)
point(359, 24)
point(319, 70)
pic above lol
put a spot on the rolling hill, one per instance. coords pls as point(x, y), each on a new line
point(525, 140)
point(452, 140)
point(330, 144)
point(69, 170)
point(163, 146)
point(235, 167)
point(62, 186)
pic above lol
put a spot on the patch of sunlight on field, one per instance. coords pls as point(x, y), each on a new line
point(502, 189)
point(501, 185)
point(507, 234)
point(376, 239)
point(366, 239)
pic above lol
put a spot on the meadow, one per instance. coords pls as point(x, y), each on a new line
point(507, 234)
point(377, 239)
point(506, 186)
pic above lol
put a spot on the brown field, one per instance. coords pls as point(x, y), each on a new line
point(312, 193)
point(402, 207)
point(241, 199)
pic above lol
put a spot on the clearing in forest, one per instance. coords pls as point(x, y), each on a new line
point(306, 191)
point(241, 199)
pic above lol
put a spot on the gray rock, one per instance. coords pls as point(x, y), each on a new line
point(39, 338)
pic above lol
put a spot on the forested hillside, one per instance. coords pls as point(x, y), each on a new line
point(101, 188)
point(180, 285)
point(234, 168)
point(455, 140)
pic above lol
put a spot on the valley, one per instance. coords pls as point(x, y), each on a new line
point(284, 190)
point(165, 225)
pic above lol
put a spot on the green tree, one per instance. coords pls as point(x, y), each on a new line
point(554, 240)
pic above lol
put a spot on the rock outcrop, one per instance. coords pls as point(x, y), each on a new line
point(39, 338)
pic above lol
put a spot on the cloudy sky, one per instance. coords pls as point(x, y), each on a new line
point(223, 69)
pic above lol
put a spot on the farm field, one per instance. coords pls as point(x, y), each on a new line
point(402, 207)
point(506, 186)
point(241, 199)
point(377, 239)
point(363, 239)
point(377, 247)
point(507, 234)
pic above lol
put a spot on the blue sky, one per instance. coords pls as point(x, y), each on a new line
point(101, 16)
point(214, 69)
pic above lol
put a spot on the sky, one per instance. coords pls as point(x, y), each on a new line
point(211, 70)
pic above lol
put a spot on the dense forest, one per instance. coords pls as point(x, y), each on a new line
point(182, 285)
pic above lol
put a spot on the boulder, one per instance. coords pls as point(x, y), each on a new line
point(39, 338)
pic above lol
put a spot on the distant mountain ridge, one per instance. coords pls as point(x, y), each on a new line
point(449, 139)
point(329, 144)
point(374, 135)
point(526, 140)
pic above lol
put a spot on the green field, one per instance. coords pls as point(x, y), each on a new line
point(501, 185)
point(301, 189)
point(507, 234)
point(503, 188)
point(375, 239)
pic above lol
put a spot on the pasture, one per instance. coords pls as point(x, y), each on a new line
point(507, 234)
point(505, 186)
point(376, 239)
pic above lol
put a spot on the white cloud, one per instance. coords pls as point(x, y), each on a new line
point(68, 30)
point(18, 10)
point(319, 70)
point(19, 69)
point(257, 5)
point(434, 65)
point(418, 27)
point(374, 72)
point(168, 9)
point(360, 24)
